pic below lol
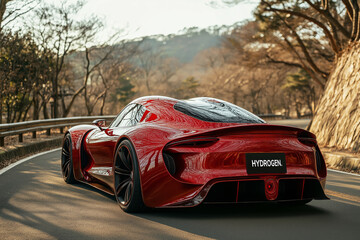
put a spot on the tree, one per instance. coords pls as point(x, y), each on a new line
point(300, 88)
point(57, 30)
point(189, 87)
point(101, 60)
point(123, 90)
point(37, 69)
point(22, 69)
point(149, 59)
point(241, 72)
point(10, 10)
point(336, 117)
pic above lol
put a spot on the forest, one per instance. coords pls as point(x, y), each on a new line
point(297, 58)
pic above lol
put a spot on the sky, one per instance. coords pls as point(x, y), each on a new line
point(150, 17)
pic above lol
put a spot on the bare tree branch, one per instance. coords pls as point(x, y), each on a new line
point(330, 18)
point(328, 34)
point(306, 68)
point(348, 8)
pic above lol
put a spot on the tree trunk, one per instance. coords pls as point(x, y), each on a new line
point(45, 111)
point(36, 104)
point(337, 118)
point(1, 109)
point(298, 109)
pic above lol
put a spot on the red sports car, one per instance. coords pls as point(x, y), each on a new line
point(161, 152)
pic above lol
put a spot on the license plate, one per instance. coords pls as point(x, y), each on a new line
point(265, 163)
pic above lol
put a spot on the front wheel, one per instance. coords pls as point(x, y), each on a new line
point(126, 178)
point(67, 168)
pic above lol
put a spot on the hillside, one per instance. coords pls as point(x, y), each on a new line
point(183, 47)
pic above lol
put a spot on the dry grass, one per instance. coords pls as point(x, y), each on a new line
point(12, 143)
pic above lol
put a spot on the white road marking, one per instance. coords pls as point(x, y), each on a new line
point(353, 174)
point(5, 169)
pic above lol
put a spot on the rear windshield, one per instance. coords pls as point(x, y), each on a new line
point(213, 110)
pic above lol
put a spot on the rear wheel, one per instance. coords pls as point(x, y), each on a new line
point(126, 178)
point(67, 167)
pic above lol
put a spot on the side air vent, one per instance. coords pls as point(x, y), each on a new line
point(313, 189)
point(320, 163)
point(193, 142)
point(169, 163)
point(307, 138)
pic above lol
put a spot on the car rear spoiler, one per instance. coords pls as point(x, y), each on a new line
point(211, 135)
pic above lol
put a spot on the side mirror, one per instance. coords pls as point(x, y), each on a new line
point(100, 123)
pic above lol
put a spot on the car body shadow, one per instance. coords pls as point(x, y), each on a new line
point(241, 210)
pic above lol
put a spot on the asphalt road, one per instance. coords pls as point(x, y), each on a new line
point(300, 123)
point(35, 203)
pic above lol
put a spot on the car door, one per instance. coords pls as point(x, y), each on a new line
point(101, 144)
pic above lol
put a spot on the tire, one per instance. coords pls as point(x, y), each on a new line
point(127, 188)
point(67, 167)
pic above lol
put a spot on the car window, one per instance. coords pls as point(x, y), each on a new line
point(117, 120)
point(129, 116)
point(133, 116)
point(213, 110)
point(140, 113)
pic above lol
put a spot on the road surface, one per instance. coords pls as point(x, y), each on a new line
point(300, 123)
point(35, 203)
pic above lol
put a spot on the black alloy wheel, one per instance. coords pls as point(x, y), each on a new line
point(126, 178)
point(66, 160)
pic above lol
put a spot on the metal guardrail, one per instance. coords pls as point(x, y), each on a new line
point(271, 116)
point(279, 116)
point(11, 129)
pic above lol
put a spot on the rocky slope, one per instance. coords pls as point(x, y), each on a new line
point(337, 119)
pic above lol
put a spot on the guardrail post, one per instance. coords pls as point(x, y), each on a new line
point(48, 132)
point(34, 134)
point(61, 130)
point(2, 141)
point(21, 137)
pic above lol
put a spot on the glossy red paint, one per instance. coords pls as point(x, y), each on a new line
point(78, 134)
point(205, 154)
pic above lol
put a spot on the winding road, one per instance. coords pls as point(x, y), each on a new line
point(35, 203)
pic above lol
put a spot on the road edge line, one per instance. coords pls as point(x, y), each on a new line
point(338, 171)
point(7, 168)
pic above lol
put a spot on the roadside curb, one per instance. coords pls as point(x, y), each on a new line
point(342, 162)
point(12, 155)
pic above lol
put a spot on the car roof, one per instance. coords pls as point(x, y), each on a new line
point(162, 108)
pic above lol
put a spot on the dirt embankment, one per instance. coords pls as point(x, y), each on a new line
point(13, 150)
